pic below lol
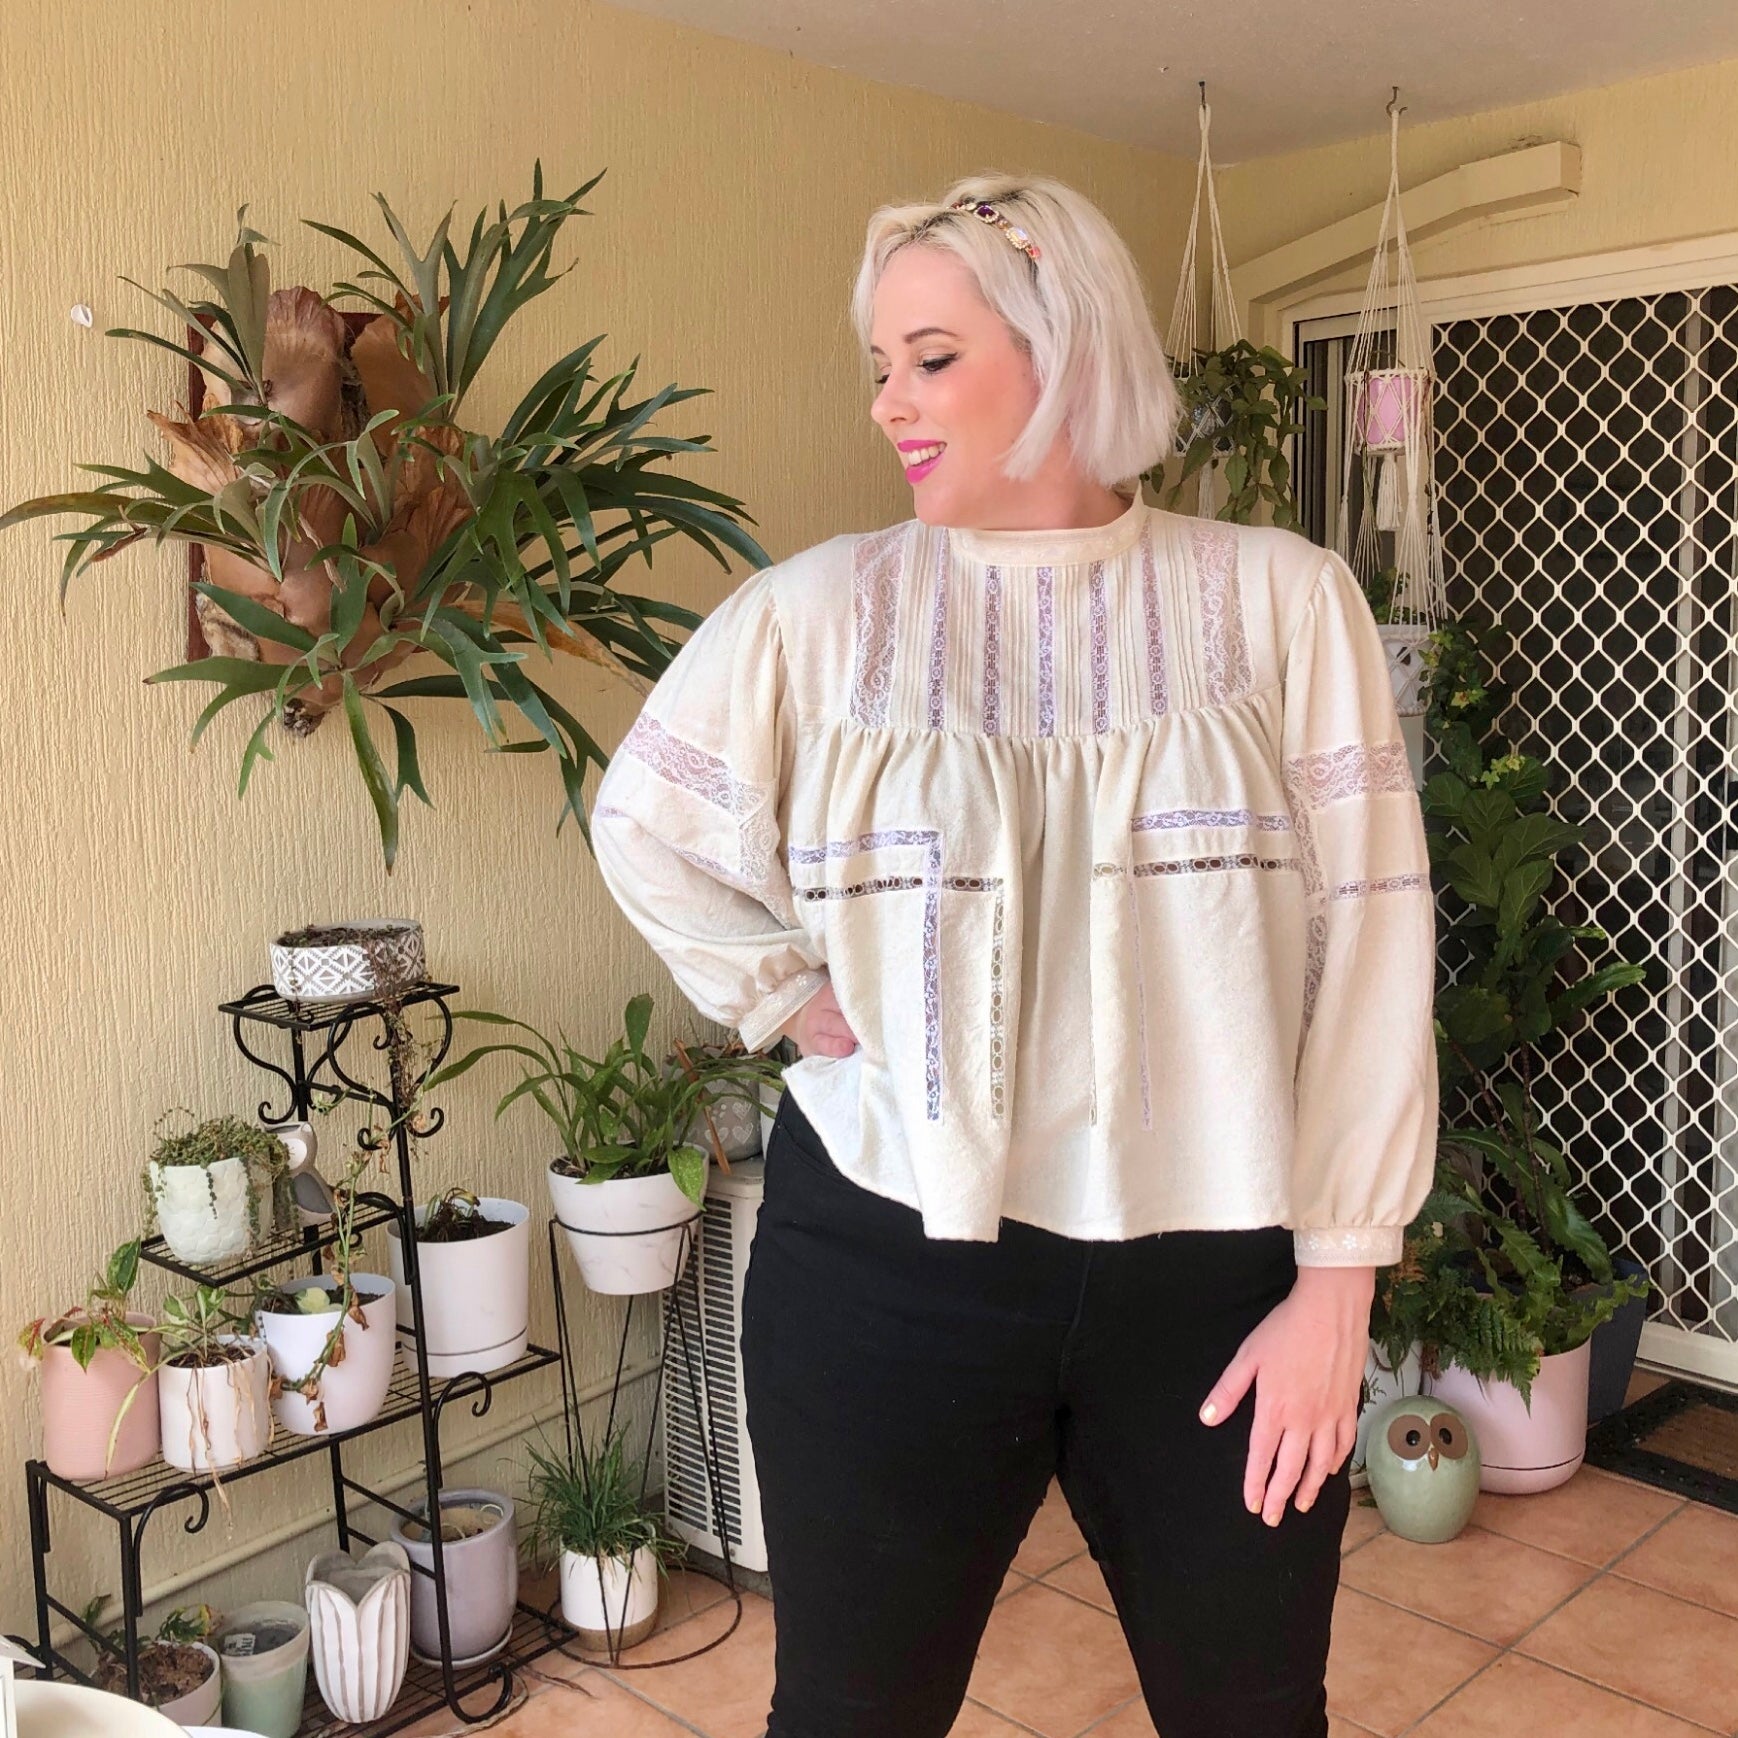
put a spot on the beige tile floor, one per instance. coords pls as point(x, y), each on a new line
point(1605, 1609)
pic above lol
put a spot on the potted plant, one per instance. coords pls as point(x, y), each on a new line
point(1504, 1279)
point(1241, 403)
point(330, 1336)
point(726, 1122)
point(628, 1181)
point(99, 1378)
point(589, 1517)
point(215, 1187)
point(473, 1257)
point(480, 1556)
point(350, 516)
point(263, 1648)
point(349, 962)
point(178, 1671)
point(213, 1384)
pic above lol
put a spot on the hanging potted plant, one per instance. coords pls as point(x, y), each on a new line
point(1241, 404)
point(628, 1181)
point(179, 1674)
point(330, 1336)
point(589, 1517)
point(1504, 1280)
point(99, 1378)
point(219, 1188)
point(480, 1554)
point(213, 1384)
point(473, 1256)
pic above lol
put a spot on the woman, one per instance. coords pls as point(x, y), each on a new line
point(1074, 844)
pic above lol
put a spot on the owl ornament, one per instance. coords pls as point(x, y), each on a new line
point(1423, 1462)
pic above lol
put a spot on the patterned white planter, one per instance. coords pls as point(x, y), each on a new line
point(359, 1629)
point(219, 1416)
point(386, 957)
point(202, 1209)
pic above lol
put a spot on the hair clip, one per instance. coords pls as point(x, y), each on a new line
point(982, 208)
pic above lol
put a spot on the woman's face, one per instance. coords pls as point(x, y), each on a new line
point(949, 375)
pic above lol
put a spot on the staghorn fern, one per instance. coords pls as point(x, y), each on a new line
point(350, 523)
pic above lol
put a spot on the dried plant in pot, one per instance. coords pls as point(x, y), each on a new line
point(99, 1378)
point(473, 1258)
point(590, 1517)
point(629, 1181)
point(373, 961)
point(219, 1188)
point(179, 1674)
point(331, 1336)
point(213, 1384)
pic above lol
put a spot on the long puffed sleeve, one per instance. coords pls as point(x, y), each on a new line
point(1367, 1094)
point(685, 825)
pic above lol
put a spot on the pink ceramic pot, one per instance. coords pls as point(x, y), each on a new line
point(1389, 402)
point(79, 1407)
point(1525, 1450)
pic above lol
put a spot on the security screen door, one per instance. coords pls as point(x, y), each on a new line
point(1588, 474)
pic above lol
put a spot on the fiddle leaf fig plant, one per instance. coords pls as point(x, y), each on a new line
point(1502, 1265)
point(350, 522)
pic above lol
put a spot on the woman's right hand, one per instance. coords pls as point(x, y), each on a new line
point(818, 1027)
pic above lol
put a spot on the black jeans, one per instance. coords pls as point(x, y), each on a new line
point(909, 1400)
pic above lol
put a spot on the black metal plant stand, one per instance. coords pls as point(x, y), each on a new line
point(693, 1353)
point(318, 1076)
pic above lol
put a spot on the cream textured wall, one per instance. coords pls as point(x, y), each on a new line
point(1656, 167)
point(140, 892)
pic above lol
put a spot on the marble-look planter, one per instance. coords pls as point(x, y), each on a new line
point(629, 1235)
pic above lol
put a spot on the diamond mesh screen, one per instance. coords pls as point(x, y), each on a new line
point(1588, 473)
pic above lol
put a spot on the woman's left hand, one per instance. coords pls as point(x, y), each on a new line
point(1306, 1359)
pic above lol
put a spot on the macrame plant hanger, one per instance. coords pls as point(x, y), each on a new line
point(1390, 439)
point(1186, 342)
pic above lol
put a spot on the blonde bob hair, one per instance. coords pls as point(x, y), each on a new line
point(1079, 312)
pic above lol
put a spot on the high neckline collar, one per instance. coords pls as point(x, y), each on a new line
point(1048, 547)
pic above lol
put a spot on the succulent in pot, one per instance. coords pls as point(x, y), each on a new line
point(629, 1180)
point(178, 1672)
point(590, 1516)
point(213, 1383)
point(473, 1258)
point(99, 1378)
point(218, 1188)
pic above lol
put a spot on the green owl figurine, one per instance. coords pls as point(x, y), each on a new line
point(1423, 1461)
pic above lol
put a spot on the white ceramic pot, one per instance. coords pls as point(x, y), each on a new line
point(202, 1209)
point(476, 1295)
point(1381, 1384)
point(359, 1629)
point(352, 1391)
point(1525, 1449)
point(219, 1416)
point(56, 1710)
point(199, 1706)
point(482, 1577)
point(386, 956)
point(628, 1235)
point(1404, 644)
point(611, 1603)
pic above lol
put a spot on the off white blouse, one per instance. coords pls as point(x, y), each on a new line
point(1108, 842)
